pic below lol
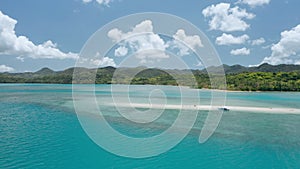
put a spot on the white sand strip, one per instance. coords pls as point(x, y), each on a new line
point(208, 107)
point(266, 110)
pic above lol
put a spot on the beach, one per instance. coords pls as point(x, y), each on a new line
point(208, 107)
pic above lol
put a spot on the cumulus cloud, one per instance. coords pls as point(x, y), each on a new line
point(190, 42)
point(254, 3)
point(258, 41)
point(121, 51)
point(287, 50)
point(101, 61)
point(139, 39)
point(142, 39)
point(100, 2)
point(145, 27)
point(226, 18)
point(228, 39)
point(242, 51)
point(4, 68)
point(21, 46)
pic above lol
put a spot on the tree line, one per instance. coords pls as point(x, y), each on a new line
point(243, 81)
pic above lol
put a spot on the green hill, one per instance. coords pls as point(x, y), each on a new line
point(261, 78)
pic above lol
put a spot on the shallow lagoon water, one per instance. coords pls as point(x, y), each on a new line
point(39, 129)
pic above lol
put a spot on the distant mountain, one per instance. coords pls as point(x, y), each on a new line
point(265, 77)
point(275, 68)
point(45, 71)
point(235, 69)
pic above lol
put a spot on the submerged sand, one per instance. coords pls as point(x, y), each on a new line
point(272, 110)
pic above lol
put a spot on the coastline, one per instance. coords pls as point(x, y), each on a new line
point(203, 89)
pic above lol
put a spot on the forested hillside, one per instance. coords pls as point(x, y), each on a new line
point(262, 78)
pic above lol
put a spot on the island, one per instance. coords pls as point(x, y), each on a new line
point(265, 77)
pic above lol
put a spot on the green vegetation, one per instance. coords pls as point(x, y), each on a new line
point(262, 78)
point(264, 81)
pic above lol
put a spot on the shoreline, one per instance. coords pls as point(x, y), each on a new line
point(203, 89)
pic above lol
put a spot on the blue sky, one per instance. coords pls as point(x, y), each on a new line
point(53, 32)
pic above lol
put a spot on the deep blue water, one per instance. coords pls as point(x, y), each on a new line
point(39, 129)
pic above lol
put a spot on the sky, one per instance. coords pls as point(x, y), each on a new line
point(37, 34)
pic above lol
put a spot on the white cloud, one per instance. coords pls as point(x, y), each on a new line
point(102, 61)
point(181, 48)
point(254, 3)
point(190, 42)
point(242, 51)
point(11, 44)
point(100, 2)
point(115, 34)
point(149, 56)
point(258, 41)
point(199, 64)
point(228, 39)
point(121, 51)
point(287, 50)
point(86, 1)
point(4, 68)
point(140, 38)
point(145, 27)
point(20, 58)
point(149, 46)
point(103, 2)
point(223, 17)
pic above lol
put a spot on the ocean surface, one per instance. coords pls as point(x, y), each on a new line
point(40, 129)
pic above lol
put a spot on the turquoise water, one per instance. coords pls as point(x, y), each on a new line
point(39, 129)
